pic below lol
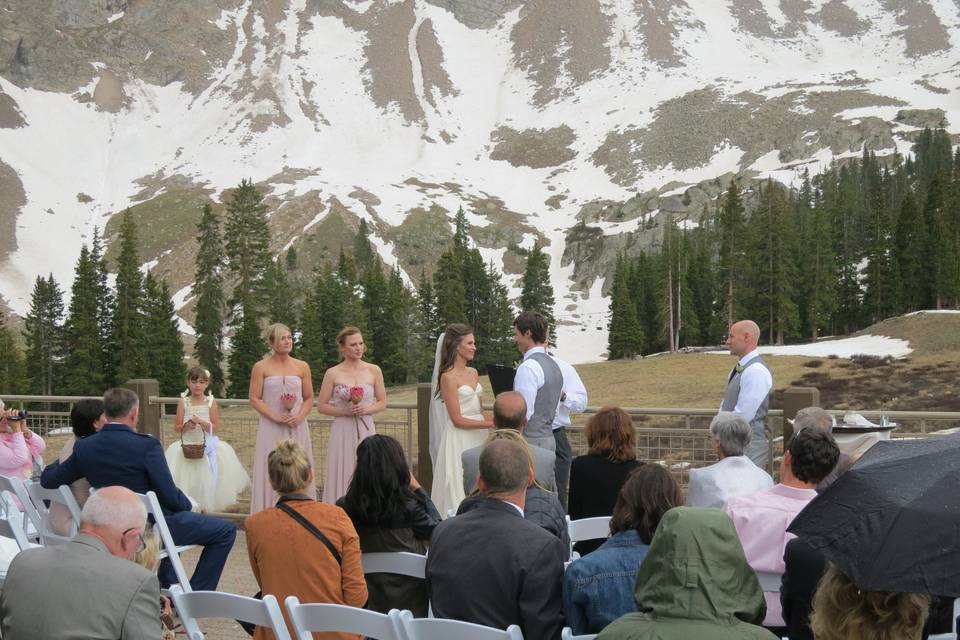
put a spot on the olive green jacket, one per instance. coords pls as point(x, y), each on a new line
point(694, 584)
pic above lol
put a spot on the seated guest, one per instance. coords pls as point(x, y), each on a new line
point(694, 584)
point(20, 447)
point(118, 455)
point(510, 412)
point(762, 518)
point(803, 566)
point(89, 587)
point(542, 507)
point(302, 547)
point(841, 611)
point(490, 566)
point(391, 512)
point(596, 478)
point(820, 420)
point(598, 589)
point(735, 474)
point(86, 418)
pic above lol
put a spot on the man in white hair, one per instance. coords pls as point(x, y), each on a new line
point(89, 587)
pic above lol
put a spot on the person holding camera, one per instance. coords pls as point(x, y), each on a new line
point(19, 446)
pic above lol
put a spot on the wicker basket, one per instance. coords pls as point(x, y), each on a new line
point(193, 451)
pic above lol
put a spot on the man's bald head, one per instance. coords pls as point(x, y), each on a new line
point(743, 337)
point(117, 516)
point(510, 411)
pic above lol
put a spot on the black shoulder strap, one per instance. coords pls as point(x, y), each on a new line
point(312, 529)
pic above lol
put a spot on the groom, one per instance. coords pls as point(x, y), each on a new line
point(552, 390)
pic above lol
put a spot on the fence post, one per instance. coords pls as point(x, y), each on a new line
point(424, 463)
point(149, 420)
point(794, 399)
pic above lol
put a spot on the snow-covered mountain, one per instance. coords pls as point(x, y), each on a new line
point(532, 114)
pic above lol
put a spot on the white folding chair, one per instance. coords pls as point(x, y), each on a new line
point(567, 634)
point(31, 519)
point(14, 531)
point(216, 604)
point(310, 617)
point(168, 549)
point(587, 529)
point(443, 629)
point(402, 563)
point(61, 495)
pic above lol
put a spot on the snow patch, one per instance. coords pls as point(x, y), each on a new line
point(880, 346)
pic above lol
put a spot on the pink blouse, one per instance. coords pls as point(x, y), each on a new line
point(17, 454)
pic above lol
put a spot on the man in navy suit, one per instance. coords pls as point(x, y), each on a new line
point(118, 455)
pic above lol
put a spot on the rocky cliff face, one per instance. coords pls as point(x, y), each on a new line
point(576, 124)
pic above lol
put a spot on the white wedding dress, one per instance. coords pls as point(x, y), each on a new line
point(447, 492)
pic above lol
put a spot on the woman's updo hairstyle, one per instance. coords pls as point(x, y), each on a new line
point(288, 467)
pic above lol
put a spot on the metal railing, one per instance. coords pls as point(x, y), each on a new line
point(676, 437)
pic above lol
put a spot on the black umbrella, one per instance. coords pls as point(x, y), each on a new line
point(892, 522)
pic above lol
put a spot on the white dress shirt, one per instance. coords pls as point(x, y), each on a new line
point(755, 385)
point(529, 378)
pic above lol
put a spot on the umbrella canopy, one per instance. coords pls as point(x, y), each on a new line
point(892, 522)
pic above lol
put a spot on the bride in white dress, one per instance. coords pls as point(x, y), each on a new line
point(456, 420)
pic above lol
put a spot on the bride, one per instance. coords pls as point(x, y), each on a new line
point(456, 420)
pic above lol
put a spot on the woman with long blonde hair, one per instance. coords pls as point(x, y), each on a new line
point(281, 391)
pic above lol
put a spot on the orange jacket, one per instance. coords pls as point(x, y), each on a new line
point(289, 560)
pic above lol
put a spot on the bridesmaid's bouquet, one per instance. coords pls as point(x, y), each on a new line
point(354, 395)
point(288, 401)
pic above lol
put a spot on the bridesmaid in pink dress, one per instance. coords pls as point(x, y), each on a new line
point(281, 391)
point(352, 421)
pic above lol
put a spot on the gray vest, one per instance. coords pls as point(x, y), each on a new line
point(732, 394)
point(545, 406)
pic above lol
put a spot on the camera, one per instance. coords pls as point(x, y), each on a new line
point(22, 414)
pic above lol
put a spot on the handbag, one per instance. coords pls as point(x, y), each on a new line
point(309, 526)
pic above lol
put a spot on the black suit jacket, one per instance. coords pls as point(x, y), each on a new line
point(803, 567)
point(490, 566)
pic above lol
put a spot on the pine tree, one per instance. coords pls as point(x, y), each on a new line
point(105, 301)
point(84, 363)
point(281, 304)
point(246, 348)
point(494, 324)
point(363, 253)
point(126, 334)
point(537, 292)
point(911, 254)
point(247, 243)
point(772, 267)
point(162, 348)
point(13, 377)
point(731, 226)
point(819, 275)
point(625, 337)
point(208, 291)
point(879, 285)
point(461, 230)
point(942, 270)
point(642, 282)
point(43, 332)
point(448, 285)
point(428, 327)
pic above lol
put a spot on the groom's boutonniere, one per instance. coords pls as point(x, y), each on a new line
point(738, 368)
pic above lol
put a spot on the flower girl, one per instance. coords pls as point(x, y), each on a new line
point(203, 466)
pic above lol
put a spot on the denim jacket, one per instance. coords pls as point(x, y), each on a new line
point(598, 588)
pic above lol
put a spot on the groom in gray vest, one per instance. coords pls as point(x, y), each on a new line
point(540, 381)
point(748, 388)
